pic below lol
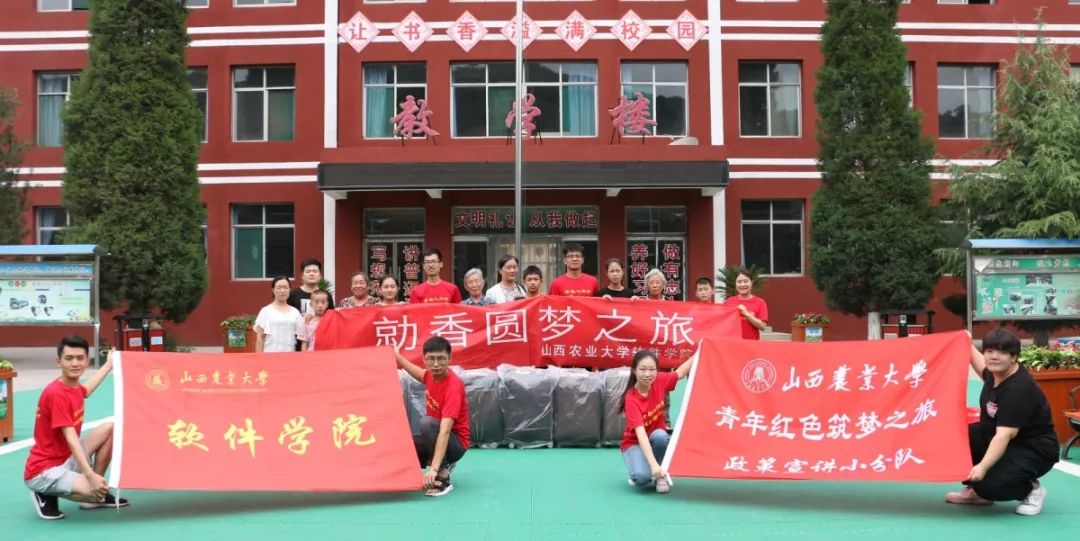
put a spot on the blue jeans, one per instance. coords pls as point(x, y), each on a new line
point(637, 465)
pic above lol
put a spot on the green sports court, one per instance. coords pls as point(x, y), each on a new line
point(541, 494)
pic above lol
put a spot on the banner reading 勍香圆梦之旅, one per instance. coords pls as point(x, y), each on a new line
point(564, 331)
point(886, 410)
point(189, 421)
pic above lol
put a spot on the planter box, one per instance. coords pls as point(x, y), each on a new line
point(1055, 384)
point(7, 404)
point(238, 340)
point(808, 332)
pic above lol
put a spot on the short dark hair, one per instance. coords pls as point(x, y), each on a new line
point(572, 247)
point(322, 292)
point(278, 278)
point(532, 270)
point(436, 344)
point(432, 251)
point(705, 281)
point(309, 262)
point(1002, 340)
point(72, 341)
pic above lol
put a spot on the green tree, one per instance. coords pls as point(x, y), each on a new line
point(1033, 191)
point(12, 196)
point(872, 227)
point(131, 152)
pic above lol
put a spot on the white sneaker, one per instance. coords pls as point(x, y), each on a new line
point(1032, 505)
point(663, 485)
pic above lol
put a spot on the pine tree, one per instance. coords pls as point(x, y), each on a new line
point(12, 196)
point(131, 152)
point(872, 227)
point(1034, 190)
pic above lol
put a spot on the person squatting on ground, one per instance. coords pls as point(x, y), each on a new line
point(645, 438)
point(61, 465)
point(444, 431)
point(1013, 444)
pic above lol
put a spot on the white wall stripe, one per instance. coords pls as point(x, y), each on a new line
point(256, 42)
point(257, 179)
point(239, 166)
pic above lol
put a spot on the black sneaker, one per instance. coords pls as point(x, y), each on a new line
point(443, 490)
point(110, 502)
point(47, 507)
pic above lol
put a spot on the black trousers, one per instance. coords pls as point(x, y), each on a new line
point(1011, 477)
point(425, 443)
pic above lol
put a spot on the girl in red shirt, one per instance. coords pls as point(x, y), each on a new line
point(647, 432)
point(754, 311)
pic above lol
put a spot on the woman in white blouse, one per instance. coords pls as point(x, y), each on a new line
point(278, 325)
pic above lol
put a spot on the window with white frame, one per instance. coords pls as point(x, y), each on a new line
point(664, 84)
point(50, 223)
point(966, 101)
point(197, 79)
point(262, 240)
point(482, 95)
point(1074, 70)
point(987, 2)
point(197, 3)
point(909, 83)
point(770, 98)
point(242, 3)
point(772, 235)
point(264, 103)
point(54, 90)
point(386, 86)
point(63, 5)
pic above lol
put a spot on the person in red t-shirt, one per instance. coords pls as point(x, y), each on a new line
point(646, 436)
point(60, 465)
point(574, 283)
point(444, 431)
point(434, 288)
point(754, 311)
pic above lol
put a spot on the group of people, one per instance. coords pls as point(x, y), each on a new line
point(1012, 445)
point(289, 322)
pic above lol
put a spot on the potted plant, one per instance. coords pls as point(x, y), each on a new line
point(238, 334)
point(1056, 370)
point(7, 399)
point(809, 327)
point(729, 273)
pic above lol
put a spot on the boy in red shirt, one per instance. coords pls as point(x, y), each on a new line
point(444, 431)
point(647, 433)
point(574, 283)
point(60, 465)
point(434, 288)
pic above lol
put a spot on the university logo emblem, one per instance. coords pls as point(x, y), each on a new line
point(758, 376)
point(157, 380)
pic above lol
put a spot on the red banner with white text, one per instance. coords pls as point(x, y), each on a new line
point(188, 421)
point(889, 410)
point(546, 330)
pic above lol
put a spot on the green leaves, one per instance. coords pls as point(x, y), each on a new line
point(872, 227)
point(132, 150)
point(12, 196)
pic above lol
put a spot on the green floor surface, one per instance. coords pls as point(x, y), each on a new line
point(538, 495)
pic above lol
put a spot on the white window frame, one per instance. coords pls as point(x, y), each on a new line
point(771, 221)
point(654, 84)
point(909, 82)
point(265, 90)
point(72, 77)
point(187, 4)
point(205, 91)
point(70, 7)
point(768, 85)
point(964, 2)
point(488, 85)
point(39, 228)
point(393, 87)
point(1074, 69)
point(967, 88)
point(264, 4)
point(263, 226)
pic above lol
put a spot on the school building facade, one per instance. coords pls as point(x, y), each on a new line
point(301, 99)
